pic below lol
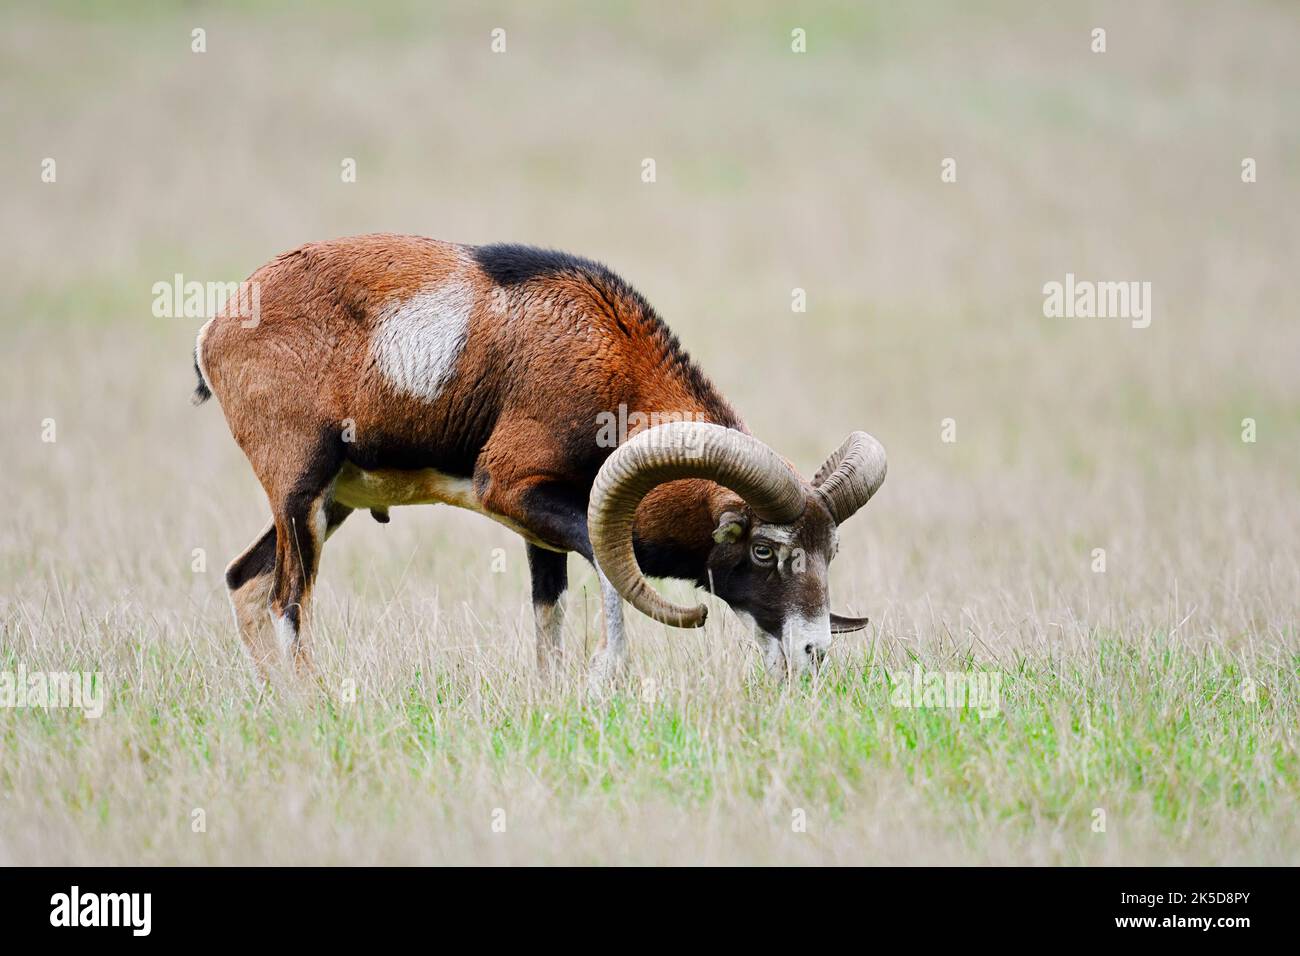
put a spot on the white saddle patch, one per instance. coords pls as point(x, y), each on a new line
point(417, 341)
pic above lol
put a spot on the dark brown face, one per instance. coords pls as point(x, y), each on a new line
point(775, 577)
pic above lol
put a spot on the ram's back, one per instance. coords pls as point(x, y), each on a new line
point(421, 354)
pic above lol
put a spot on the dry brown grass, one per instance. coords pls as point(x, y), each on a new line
point(775, 171)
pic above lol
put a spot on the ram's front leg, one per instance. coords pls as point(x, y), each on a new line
point(556, 512)
point(611, 655)
point(549, 571)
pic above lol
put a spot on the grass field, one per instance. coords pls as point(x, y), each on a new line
point(1148, 713)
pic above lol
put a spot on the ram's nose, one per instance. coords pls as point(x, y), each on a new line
point(808, 641)
point(815, 654)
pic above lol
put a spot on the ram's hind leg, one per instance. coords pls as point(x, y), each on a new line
point(302, 522)
point(249, 578)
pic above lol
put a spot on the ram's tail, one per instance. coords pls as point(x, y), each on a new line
point(201, 391)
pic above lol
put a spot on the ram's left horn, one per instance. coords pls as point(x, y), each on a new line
point(669, 452)
point(848, 478)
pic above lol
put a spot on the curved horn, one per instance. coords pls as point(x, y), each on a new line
point(842, 624)
point(848, 479)
point(666, 453)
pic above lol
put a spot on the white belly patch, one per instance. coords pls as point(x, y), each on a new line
point(417, 341)
point(389, 488)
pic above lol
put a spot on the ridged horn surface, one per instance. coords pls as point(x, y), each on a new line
point(667, 453)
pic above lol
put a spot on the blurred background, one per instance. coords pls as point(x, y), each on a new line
point(775, 170)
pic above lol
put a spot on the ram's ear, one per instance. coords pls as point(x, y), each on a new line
point(731, 525)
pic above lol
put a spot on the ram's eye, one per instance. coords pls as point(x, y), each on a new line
point(762, 553)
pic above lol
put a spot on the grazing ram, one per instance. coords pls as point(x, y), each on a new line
point(390, 370)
